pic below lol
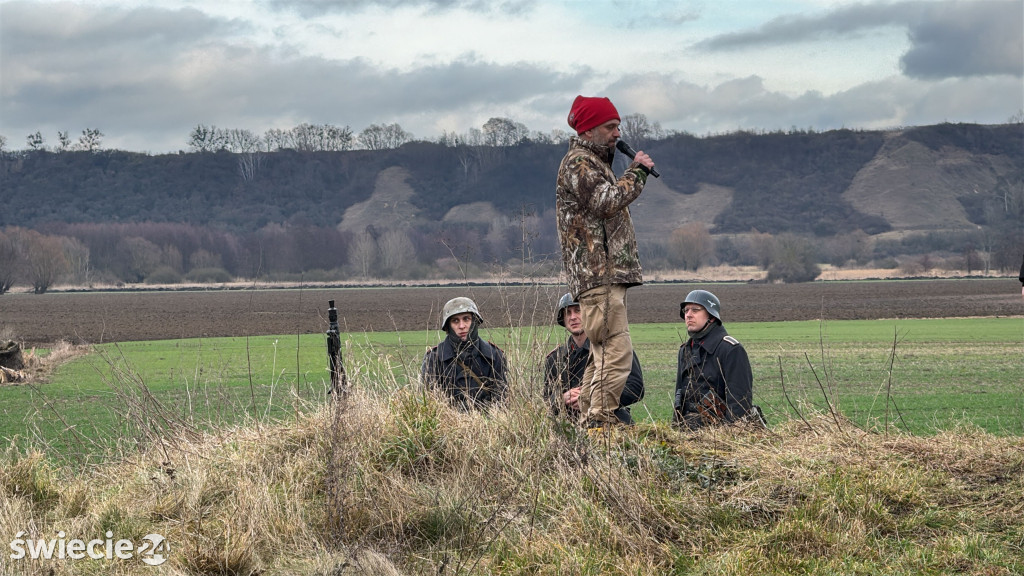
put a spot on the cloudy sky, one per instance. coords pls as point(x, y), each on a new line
point(146, 72)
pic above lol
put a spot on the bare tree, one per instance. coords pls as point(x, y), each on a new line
point(504, 132)
point(843, 248)
point(203, 258)
point(362, 254)
point(35, 141)
point(3, 143)
point(474, 137)
point(77, 255)
point(205, 139)
point(638, 131)
point(44, 260)
point(396, 251)
point(555, 136)
point(139, 257)
point(63, 141)
point(247, 146)
point(241, 140)
point(277, 139)
point(90, 140)
point(449, 139)
point(761, 247)
point(249, 163)
point(690, 246)
point(794, 259)
point(321, 137)
point(9, 262)
point(383, 137)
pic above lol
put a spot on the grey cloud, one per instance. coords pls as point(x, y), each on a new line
point(967, 40)
point(108, 46)
point(146, 90)
point(31, 24)
point(662, 14)
point(948, 39)
point(746, 103)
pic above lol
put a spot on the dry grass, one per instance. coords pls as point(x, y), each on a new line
point(38, 367)
point(396, 482)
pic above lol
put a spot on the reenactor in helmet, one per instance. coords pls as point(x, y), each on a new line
point(471, 371)
point(714, 383)
point(564, 367)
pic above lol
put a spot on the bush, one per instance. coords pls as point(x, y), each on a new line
point(888, 263)
point(164, 275)
point(208, 276)
point(794, 259)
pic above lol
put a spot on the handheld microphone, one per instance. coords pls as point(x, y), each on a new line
point(628, 151)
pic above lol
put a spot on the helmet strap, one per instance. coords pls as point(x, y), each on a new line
point(703, 331)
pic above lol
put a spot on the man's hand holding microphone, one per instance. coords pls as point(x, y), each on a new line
point(640, 157)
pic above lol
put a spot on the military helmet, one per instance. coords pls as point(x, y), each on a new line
point(563, 303)
point(706, 299)
point(458, 306)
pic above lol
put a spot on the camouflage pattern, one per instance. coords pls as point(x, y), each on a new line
point(594, 226)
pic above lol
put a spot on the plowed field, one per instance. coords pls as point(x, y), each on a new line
point(95, 317)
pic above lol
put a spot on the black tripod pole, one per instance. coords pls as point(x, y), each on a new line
point(339, 381)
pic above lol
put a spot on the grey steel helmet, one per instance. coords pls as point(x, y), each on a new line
point(458, 306)
point(706, 299)
point(563, 303)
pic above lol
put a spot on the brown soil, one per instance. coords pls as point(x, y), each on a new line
point(96, 317)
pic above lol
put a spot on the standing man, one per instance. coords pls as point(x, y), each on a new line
point(470, 370)
point(714, 382)
point(564, 367)
point(599, 249)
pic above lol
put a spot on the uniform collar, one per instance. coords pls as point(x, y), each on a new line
point(605, 153)
point(711, 340)
point(571, 346)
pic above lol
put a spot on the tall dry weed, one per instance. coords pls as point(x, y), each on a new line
point(391, 479)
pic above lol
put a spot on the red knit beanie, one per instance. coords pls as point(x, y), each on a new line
point(587, 113)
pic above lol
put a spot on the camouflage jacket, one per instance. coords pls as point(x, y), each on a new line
point(594, 226)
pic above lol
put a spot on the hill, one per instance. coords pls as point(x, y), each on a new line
point(426, 210)
point(926, 178)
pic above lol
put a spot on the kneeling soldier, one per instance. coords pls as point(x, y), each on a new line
point(470, 370)
point(714, 383)
point(564, 367)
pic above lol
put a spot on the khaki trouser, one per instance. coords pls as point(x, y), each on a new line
point(611, 353)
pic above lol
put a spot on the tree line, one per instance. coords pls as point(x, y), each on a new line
point(311, 137)
point(98, 254)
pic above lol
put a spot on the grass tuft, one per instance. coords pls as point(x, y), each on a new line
point(390, 479)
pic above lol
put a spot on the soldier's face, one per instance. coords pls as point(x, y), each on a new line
point(573, 320)
point(696, 317)
point(606, 134)
point(460, 324)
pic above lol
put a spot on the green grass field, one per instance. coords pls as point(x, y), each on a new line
point(920, 376)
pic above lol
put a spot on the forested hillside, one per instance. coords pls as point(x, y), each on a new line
point(486, 203)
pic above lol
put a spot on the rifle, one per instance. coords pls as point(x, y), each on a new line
point(339, 381)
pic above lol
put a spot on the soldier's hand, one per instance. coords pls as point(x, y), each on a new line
point(572, 398)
